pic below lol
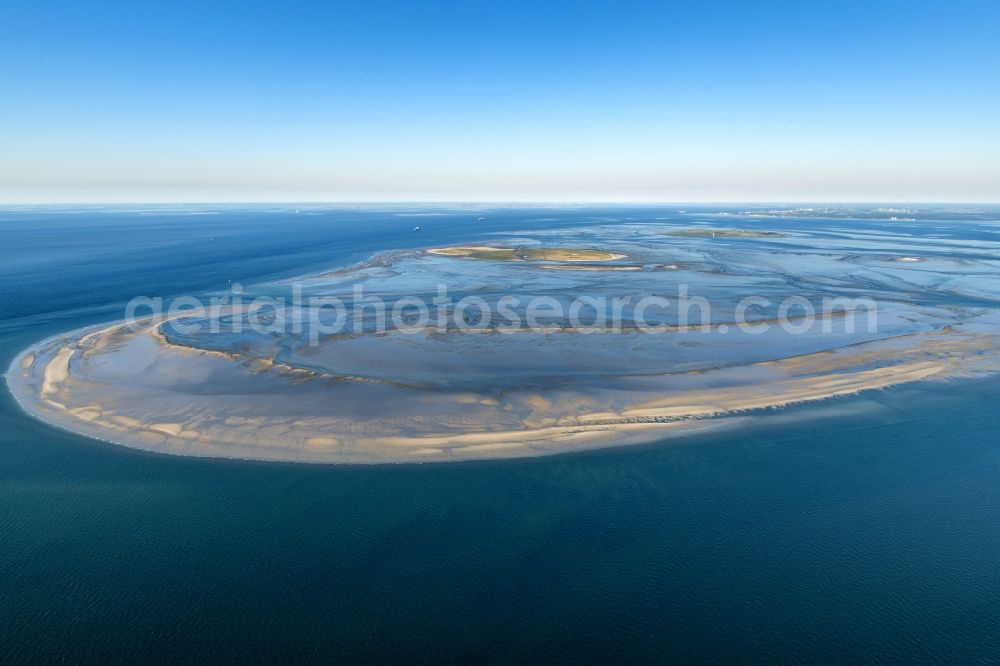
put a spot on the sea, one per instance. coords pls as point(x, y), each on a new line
point(864, 528)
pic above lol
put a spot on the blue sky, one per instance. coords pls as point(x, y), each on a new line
point(539, 101)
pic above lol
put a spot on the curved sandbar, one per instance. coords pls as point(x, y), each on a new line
point(133, 386)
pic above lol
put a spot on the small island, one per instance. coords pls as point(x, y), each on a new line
point(491, 253)
point(724, 233)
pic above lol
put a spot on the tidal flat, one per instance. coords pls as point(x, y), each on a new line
point(479, 382)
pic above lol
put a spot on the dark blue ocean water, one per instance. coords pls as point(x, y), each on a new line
point(874, 537)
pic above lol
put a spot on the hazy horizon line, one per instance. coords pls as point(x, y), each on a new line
point(511, 202)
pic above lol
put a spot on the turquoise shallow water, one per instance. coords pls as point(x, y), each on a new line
point(865, 528)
